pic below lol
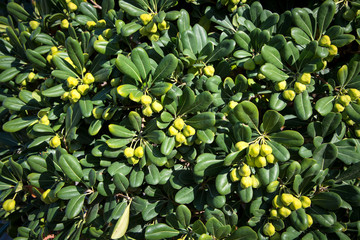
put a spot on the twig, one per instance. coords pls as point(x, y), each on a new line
point(95, 4)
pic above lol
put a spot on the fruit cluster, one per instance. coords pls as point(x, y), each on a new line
point(182, 132)
point(78, 87)
point(152, 26)
point(258, 155)
point(326, 42)
point(232, 5)
point(134, 155)
point(150, 106)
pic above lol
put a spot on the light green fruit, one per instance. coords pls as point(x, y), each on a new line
point(154, 37)
point(34, 24)
point(64, 24)
point(269, 229)
point(139, 152)
point(234, 175)
point(325, 41)
point(172, 131)
point(209, 71)
point(260, 76)
point(305, 78)
point(129, 152)
point(188, 131)
point(233, 104)
point(180, 138)
point(305, 201)
point(55, 142)
point(254, 150)
point(276, 202)
point(344, 100)
point(9, 205)
point(156, 106)
point(90, 25)
point(241, 145)
point(333, 50)
point(265, 150)
point(255, 181)
point(147, 111)
point(72, 82)
point(244, 171)
point(299, 87)
point(146, 18)
point(179, 124)
point(83, 89)
point(260, 162)
point(354, 93)
point(349, 14)
point(296, 204)
point(284, 212)
point(280, 86)
point(310, 220)
point(246, 182)
point(287, 199)
point(151, 27)
point(288, 95)
point(72, 6)
point(273, 213)
point(270, 158)
point(338, 107)
point(163, 26)
point(74, 95)
point(133, 160)
point(249, 65)
point(145, 100)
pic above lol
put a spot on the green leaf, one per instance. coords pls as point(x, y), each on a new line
point(353, 110)
point(330, 122)
point(122, 224)
point(247, 113)
point(125, 89)
point(74, 206)
point(75, 53)
point(327, 200)
point(167, 145)
point(207, 165)
point(142, 61)
point(322, 216)
point(131, 9)
point(130, 28)
point(106, 47)
point(303, 106)
point(121, 182)
point(155, 156)
point(186, 100)
point(15, 104)
point(325, 154)
point(272, 121)
point(324, 105)
point(206, 136)
point(36, 58)
point(8, 74)
point(160, 231)
point(300, 36)
point(350, 173)
point(86, 106)
point(118, 142)
point(126, 66)
point(71, 167)
point(243, 233)
point(273, 73)
point(88, 10)
point(202, 121)
point(55, 91)
point(69, 192)
point(302, 19)
point(17, 11)
point(325, 15)
point(271, 55)
point(135, 120)
point(183, 215)
point(288, 138)
point(222, 183)
point(223, 49)
point(120, 131)
point(165, 68)
point(160, 88)
point(185, 196)
point(18, 124)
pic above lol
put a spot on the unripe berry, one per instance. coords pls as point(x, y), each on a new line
point(338, 107)
point(273, 213)
point(244, 171)
point(299, 87)
point(90, 25)
point(133, 160)
point(188, 131)
point(83, 89)
point(72, 82)
point(55, 142)
point(241, 145)
point(9, 205)
point(254, 150)
point(163, 26)
point(151, 28)
point(233, 104)
point(101, 23)
point(34, 24)
point(145, 100)
point(65, 96)
point(255, 181)
point(154, 37)
point(172, 131)
point(44, 120)
point(284, 212)
point(31, 76)
point(344, 100)
point(156, 106)
point(88, 78)
point(270, 158)
point(234, 175)
point(74, 95)
point(333, 50)
point(72, 6)
point(64, 24)
point(296, 204)
point(209, 71)
point(265, 150)
point(310, 220)
point(49, 58)
point(180, 138)
point(146, 18)
point(288, 95)
point(280, 86)
point(287, 199)
point(269, 229)
point(147, 111)
point(139, 152)
point(325, 41)
point(260, 162)
point(260, 76)
point(179, 124)
point(276, 202)
point(246, 182)
point(305, 201)
point(129, 152)
point(354, 93)
point(305, 78)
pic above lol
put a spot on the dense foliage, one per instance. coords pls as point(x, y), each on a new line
point(153, 119)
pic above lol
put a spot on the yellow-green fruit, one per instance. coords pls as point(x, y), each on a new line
point(260, 162)
point(273, 213)
point(260, 76)
point(244, 170)
point(72, 6)
point(357, 132)
point(299, 87)
point(305, 78)
point(284, 212)
point(145, 100)
point(55, 142)
point(129, 152)
point(241, 145)
point(234, 175)
point(88, 78)
point(9, 205)
point(280, 86)
point(209, 71)
point(265, 150)
point(74, 95)
point(310, 220)
point(250, 161)
point(276, 202)
point(288, 95)
point(270, 158)
point(64, 24)
point(338, 107)
point(296, 204)
point(101, 23)
point(156, 106)
point(146, 18)
point(139, 152)
point(107, 33)
point(180, 138)
point(154, 37)
point(287, 198)
point(147, 111)
point(325, 41)
point(163, 26)
point(34, 24)
point(65, 96)
point(44, 120)
point(72, 82)
point(90, 25)
point(255, 181)
point(246, 182)
point(344, 100)
point(233, 104)
point(97, 112)
point(235, 2)
point(333, 50)
point(269, 229)
point(172, 131)
point(49, 58)
point(272, 186)
point(232, 7)
point(179, 124)
point(254, 150)
point(188, 131)
point(143, 32)
point(54, 50)
point(45, 197)
point(354, 93)
point(31, 76)
point(249, 64)
point(151, 28)
point(83, 89)
point(305, 201)
point(133, 160)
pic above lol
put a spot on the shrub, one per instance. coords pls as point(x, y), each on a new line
point(191, 120)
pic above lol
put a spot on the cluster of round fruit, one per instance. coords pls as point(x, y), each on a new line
point(55, 141)
point(343, 100)
point(150, 106)
point(283, 206)
point(333, 50)
point(182, 132)
point(77, 90)
point(299, 86)
point(152, 27)
point(258, 155)
point(71, 6)
point(103, 112)
point(90, 25)
point(208, 71)
point(133, 155)
point(9, 205)
point(232, 4)
point(243, 174)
